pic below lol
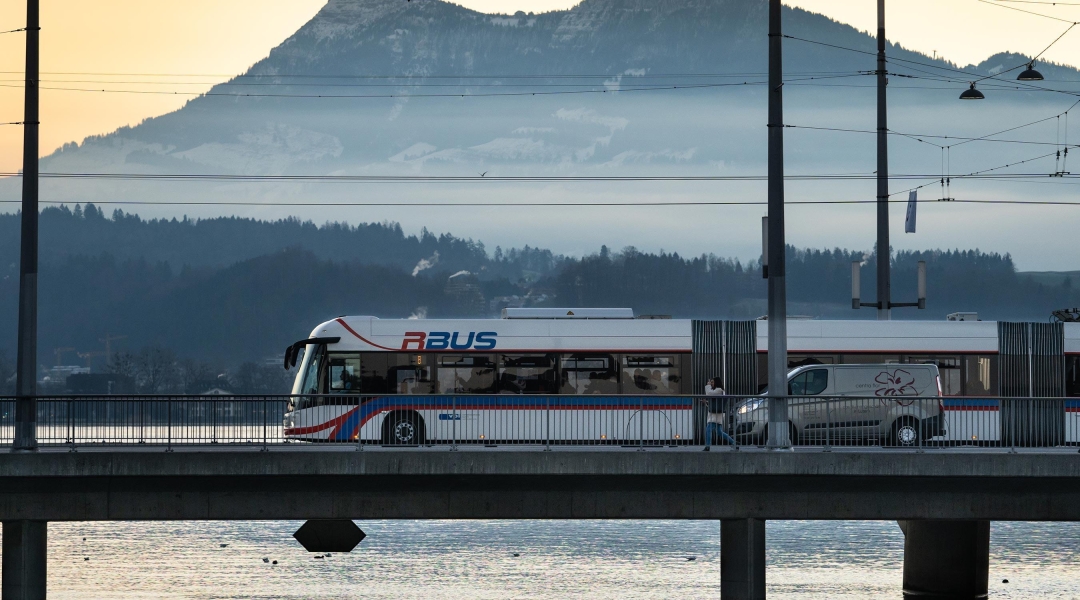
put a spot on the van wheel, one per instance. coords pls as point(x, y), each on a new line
point(906, 433)
point(404, 429)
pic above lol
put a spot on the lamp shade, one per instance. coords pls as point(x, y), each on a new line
point(1030, 74)
point(972, 94)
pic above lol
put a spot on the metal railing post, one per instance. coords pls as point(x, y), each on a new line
point(921, 431)
point(168, 425)
point(547, 428)
point(1012, 428)
point(828, 426)
point(213, 421)
point(266, 417)
point(453, 423)
point(359, 425)
point(641, 423)
point(71, 424)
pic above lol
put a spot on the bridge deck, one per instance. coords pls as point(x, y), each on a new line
point(533, 484)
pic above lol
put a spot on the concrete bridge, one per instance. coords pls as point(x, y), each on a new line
point(943, 498)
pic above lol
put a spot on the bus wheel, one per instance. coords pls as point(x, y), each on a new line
point(906, 432)
point(403, 429)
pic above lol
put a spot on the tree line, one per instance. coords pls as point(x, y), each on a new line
point(158, 370)
point(248, 311)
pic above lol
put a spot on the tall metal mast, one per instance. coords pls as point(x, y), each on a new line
point(884, 281)
point(777, 323)
point(26, 373)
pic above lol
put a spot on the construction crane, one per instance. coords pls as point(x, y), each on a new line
point(108, 340)
point(59, 353)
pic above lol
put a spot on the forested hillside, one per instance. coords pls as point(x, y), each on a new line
point(230, 291)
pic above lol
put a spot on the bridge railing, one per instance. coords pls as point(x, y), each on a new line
point(632, 421)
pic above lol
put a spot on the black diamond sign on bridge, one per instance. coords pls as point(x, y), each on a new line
point(329, 535)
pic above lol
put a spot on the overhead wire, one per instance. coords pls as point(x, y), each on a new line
point(606, 90)
point(444, 76)
point(1041, 2)
point(1018, 84)
point(191, 177)
point(448, 95)
point(545, 204)
point(1030, 12)
point(928, 135)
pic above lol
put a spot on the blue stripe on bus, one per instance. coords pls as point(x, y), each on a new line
point(359, 417)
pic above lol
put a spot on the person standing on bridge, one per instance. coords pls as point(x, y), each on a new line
point(715, 407)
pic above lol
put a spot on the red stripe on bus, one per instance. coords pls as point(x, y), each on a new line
point(362, 339)
point(335, 422)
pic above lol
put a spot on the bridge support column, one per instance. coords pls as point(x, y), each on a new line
point(742, 559)
point(25, 555)
point(946, 559)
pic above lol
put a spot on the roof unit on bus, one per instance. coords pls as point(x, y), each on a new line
point(963, 316)
point(568, 313)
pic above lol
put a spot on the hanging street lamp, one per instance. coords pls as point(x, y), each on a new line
point(972, 94)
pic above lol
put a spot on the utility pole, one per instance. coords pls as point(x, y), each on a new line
point(884, 283)
point(26, 373)
point(26, 543)
point(778, 417)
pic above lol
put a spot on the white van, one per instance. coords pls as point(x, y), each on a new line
point(896, 404)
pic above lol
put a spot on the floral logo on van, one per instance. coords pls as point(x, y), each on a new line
point(895, 383)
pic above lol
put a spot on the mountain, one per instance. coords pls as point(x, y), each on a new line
point(420, 88)
point(384, 47)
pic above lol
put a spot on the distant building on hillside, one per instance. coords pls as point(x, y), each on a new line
point(464, 288)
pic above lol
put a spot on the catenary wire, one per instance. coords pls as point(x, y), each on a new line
point(549, 204)
point(1030, 12)
point(933, 66)
point(1041, 2)
point(353, 96)
point(497, 179)
point(927, 135)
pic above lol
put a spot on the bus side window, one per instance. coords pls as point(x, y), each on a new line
point(409, 374)
point(373, 373)
point(589, 374)
point(344, 373)
point(466, 374)
point(980, 375)
point(650, 375)
point(527, 374)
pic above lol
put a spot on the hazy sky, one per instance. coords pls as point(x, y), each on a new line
point(215, 38)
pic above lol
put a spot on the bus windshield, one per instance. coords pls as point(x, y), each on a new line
point(307, 379)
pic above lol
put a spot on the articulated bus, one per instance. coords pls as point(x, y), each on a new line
point(580, 375)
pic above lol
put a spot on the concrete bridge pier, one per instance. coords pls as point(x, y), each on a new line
point(742, 559)
point(946, 560)
point(25, 556)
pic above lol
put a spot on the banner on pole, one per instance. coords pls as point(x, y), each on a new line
point(912, 203)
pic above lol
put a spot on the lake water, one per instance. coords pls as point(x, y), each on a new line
point(557, 559)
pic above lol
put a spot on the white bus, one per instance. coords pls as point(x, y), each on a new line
point(590, 374)
point(602, 375)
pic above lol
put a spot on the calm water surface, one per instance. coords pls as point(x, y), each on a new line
point(557, 559)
